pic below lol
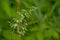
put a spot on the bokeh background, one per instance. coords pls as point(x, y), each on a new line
point(43, 23)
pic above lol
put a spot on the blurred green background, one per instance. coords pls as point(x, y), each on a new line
point(45, 20)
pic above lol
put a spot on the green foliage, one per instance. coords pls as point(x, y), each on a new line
point(37, 20)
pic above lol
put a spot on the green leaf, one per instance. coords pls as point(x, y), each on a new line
point(6, 7)
point(39, 36)
point(55, 35)
point(30, 37)
point(10, 35)
point(34, 28)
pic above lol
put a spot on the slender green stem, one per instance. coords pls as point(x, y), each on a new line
point(18, 5)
